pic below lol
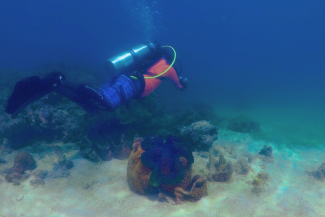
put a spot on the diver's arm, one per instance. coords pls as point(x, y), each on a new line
point(180, 83)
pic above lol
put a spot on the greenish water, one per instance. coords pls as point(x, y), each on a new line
point(286, 124)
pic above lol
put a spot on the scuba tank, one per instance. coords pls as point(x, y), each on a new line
point(129, 60)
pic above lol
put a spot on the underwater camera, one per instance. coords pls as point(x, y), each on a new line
point(130, 59)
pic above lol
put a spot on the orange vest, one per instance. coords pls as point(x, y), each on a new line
point(152, 83)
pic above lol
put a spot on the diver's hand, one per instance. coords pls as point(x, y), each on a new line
point(183, 82)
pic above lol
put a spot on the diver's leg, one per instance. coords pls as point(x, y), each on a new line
point(83, 95)
point(122, 90)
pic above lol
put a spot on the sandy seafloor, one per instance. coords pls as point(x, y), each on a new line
point(289, 192)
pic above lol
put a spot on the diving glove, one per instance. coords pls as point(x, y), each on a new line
point(183, 82)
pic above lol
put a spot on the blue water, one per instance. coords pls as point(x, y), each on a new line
point(260, 59)
point(240, 55)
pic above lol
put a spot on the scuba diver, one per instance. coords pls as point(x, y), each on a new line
point(137, 73)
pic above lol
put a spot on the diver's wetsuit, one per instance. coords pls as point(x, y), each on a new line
point(125, 87)
point(118, 91)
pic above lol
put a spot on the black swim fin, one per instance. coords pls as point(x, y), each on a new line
point(30, 89)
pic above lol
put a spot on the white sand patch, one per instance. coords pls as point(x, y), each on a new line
point(102, 190)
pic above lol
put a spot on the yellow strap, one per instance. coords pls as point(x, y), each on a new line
point(168, 67)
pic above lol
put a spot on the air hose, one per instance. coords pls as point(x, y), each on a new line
point(133, 77)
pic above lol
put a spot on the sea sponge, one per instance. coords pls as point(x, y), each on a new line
point(164, 165)
point(167, 161)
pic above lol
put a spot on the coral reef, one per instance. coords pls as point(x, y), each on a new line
point(200, 135)
point(243, 125)
point(220, 170)
point(165, 168)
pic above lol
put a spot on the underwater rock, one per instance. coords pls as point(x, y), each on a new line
point(37, 182)
point(164, 165)
point(23, 161)
point(41, 121)
point(200, 135)
point(58, 174)
point(249, 157)
point(242, 167)
point(123, 149)
point(266, 151)
point(108, 138)
point(58, 152)
point(220, 170)
point(258, 183)
point(224, 174)
point(243, 125)
point(319, 174)
point(16, 178)
point(87, 150)
point(40, 174)
point(267, 154)
point(261, 179)
point(257, 190)
point(2, 161)
point(226, 150)
point(204, 154)
point(65, 164)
